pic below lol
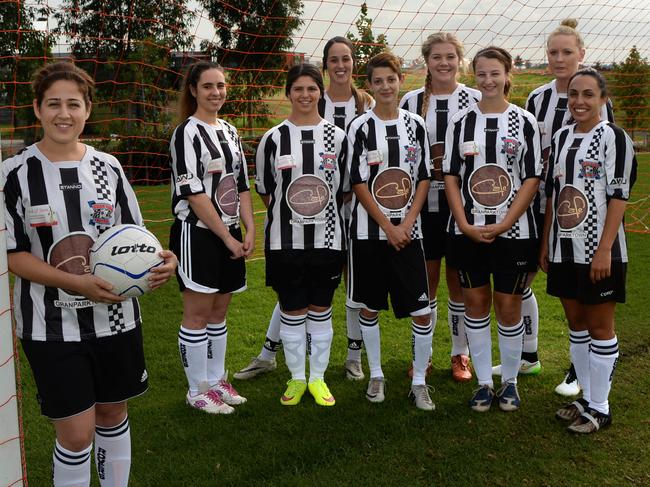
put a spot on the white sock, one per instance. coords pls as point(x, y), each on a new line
point(602, 364)
point(217, 341)
point(372, 343)
point(320, 333)
point(510, 343)
point(421, 338)
point(579, 350)
point(193, 346)
point(480, 347)
point(530, 316)
point(456, 320)
point(71, 468)
point(272, 343)
point(355, 342)
point(433, 304)
point(293, 333)
point(113, 454)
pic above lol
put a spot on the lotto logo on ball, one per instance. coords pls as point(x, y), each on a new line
point(123, 255)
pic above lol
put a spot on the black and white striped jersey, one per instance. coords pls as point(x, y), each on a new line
point(302, 169)
point(207, 159)
point(493, 154)
point(391, 157)
point(340, 113)
point(585, 171)
point(552, 113)
point(56, 211)
point(440, 109)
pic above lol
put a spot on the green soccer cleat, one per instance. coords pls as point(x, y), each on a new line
point(293, 394)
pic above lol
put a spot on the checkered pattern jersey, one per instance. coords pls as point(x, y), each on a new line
point(87, 197)
point(552, 113)
point(402, 143)
point(318, 150)
point(340, 113)
point(493, 137)
point(440, 110)
point(202, 156)
point(601, 164)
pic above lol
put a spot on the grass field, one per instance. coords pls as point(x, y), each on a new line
point(359, 443)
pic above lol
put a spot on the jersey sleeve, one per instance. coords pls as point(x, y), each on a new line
point(16, 235)
point(127, 209)
point(550, 169)
point(242, 177)
point(185, 148)
point(620, 164)
point(452, 160)
point(357, 155)
point(531, 158)
point(343, 164)
point(424, 169)
point(264, 164)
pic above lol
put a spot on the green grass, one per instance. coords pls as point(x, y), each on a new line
point(358, 443)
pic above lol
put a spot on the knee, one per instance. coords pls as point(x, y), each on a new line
point(367, 314)
point(110, 414)
point(422, 320)
point(77, 439)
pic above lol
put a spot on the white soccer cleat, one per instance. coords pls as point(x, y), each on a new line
point(255, 368)
point(353, 370)
point(569, 386)
point(376, 389)
point(209, 402)
point(227, 392)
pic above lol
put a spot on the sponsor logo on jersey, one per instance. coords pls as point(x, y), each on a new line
point(490, 186)
point(572, 208)
point(490, 130)
point(327, 161)
point(184, 179)
point(307, 196)
point(70, 187)
point(392, 190)
point(411, 154)
point(618, 182)
point(74, 304)
point(441, 110)
point(102, 213)
point(392, 137)
point(339, 115)
point(307, 141)
point(589, 169)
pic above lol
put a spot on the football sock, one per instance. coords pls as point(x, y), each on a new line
point(217, 341)
point(456, 320)
point(510, 343)
point(294, 338)
point(355, 342)
point(193, 346)
point(272, 342)
point(421, 338)
point(530, 317)
point(433, 305)
point(320, 333)
point(71, 468)
point(579, 349)
point(480, 347)
point(113, 454)
point(602, 363)
point(372, 343)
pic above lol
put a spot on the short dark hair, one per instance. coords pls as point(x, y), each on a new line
point(304, 69)
point(602, 84)
point(62, 70)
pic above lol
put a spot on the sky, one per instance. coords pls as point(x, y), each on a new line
point(610, 27)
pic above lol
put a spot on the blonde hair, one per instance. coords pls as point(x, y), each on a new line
point(567, 27)
point(427, 46)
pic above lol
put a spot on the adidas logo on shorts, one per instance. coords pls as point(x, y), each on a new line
point(144, 376)
point(424, 297)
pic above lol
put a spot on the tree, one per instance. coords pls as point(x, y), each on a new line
point(366, 46)
point(22, 51)
point(255, 42)
point(631, 90)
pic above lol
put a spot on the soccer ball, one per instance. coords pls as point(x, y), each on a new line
point(123, 255)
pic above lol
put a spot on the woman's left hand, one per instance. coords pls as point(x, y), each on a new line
point(601, 265)
point(249, 244)
point(161, 274)
point(490, 232)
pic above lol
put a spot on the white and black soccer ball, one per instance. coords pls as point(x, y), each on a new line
point(123, 255)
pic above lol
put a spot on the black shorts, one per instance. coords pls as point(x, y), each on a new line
point(504, 282)
point(502, 255)
point(539, 221)
point(434, 234)
point(204, 263)
point(72, 377)
point(571, 281)
point(304, 277)
point(376, 269)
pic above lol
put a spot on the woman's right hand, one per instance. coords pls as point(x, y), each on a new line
point(236, 247)
point(543, 256)
point(477, 233)
point(95, 288)
point(397, 236)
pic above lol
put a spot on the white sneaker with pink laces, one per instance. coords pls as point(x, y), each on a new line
point(227, 392)
point(209, 402)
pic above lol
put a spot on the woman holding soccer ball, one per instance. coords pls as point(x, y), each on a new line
point(210, 196)
point(83, 342)
point(591, 170)
point(492, 167)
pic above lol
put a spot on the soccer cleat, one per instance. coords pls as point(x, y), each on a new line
point(376, 389)
point(227, 392)
point(572, 411)
point(508, 397)
point(420, 396)
point(525, 368)
point(255, 368)
point(353, 370)
point(293, 394)
point(322, 395)
point(482, 399)
point(426, 374)
point(589, 422)
point(461, 370)
point(569, 386)
point(209, 402)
